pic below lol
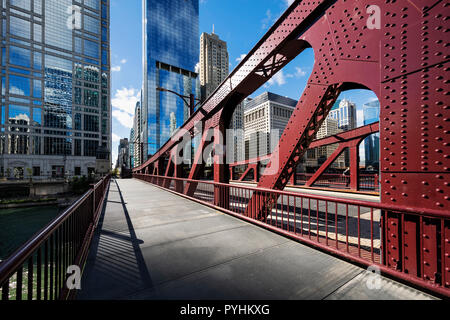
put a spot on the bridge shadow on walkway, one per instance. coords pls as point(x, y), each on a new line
point(115, 262)
point(152, 244)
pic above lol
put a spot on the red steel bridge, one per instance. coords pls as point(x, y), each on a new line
point(405, 63)
point(396, 48)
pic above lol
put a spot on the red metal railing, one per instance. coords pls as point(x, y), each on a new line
point(367, 233)
point(367, 182)
point(331, 180)
point(38, 269)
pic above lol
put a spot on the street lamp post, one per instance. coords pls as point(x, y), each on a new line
point(188, 100)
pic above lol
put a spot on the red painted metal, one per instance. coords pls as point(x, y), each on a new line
point(446, 255)
point(430, 250)
point(405, 63)
point(392, 241)
point(410, 235)
point(349, 139)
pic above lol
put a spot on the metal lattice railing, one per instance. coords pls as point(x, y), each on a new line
point(411, 245)
point(38, 269)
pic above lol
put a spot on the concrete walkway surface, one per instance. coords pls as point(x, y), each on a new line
point(152, 244)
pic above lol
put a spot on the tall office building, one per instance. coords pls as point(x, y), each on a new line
point(345, 114)
point(329, 128)
point(214, 69)
point(236, 138)
point(265, 119)
point(371, 112)
point(214, 63)
point(170, 53)
point(136, 142)
point(123, 158)
point(55, 109)
point(131, 148)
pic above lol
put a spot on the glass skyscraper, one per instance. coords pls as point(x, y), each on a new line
point(55, 79)
point(371, 111)
point(171, 48)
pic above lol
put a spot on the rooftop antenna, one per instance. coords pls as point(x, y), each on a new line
point(213, 28)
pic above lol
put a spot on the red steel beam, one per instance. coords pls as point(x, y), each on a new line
point(403, 61)
point(357, 133)
point(337, 138)
point(349, 139)
point(276, 49)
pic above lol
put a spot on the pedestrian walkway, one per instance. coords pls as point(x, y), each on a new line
point(152, 244)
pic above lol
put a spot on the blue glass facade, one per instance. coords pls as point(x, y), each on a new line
point(55, 78)
point(171, 51)
point(371, 113)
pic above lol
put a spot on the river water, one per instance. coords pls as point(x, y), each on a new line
point(20, 224)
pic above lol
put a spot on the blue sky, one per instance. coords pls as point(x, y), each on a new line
point(241, 23)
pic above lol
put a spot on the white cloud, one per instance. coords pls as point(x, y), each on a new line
point(241, 57)
point(124, 118)
point(16, 90)
point(267, 20)
point(197, 68)
point(115, 137)
point(289, 2)
point(299, 72)
point(125, 99)
point(116, 69)
point(123, 61)
point(278, 79)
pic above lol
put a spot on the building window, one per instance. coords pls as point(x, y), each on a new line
point(36, 171)
point(77, 171)
point(57, 171)
point(90, 148)
point(77, 150)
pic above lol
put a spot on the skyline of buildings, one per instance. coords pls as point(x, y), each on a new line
point(212, 65)
point(55, 115)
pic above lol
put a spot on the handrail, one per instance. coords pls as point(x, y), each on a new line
point(17, 259)
point(363, 232)
point(416, 211)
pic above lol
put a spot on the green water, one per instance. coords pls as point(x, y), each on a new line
point(17, 226)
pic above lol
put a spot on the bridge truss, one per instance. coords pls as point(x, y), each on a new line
point(404, 62)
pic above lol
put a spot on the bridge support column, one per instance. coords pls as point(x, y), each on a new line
point(178, 171)
point(292, 178)
point(354, 165)
point(221, 193)
point(169, 173)
point(197, 166)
